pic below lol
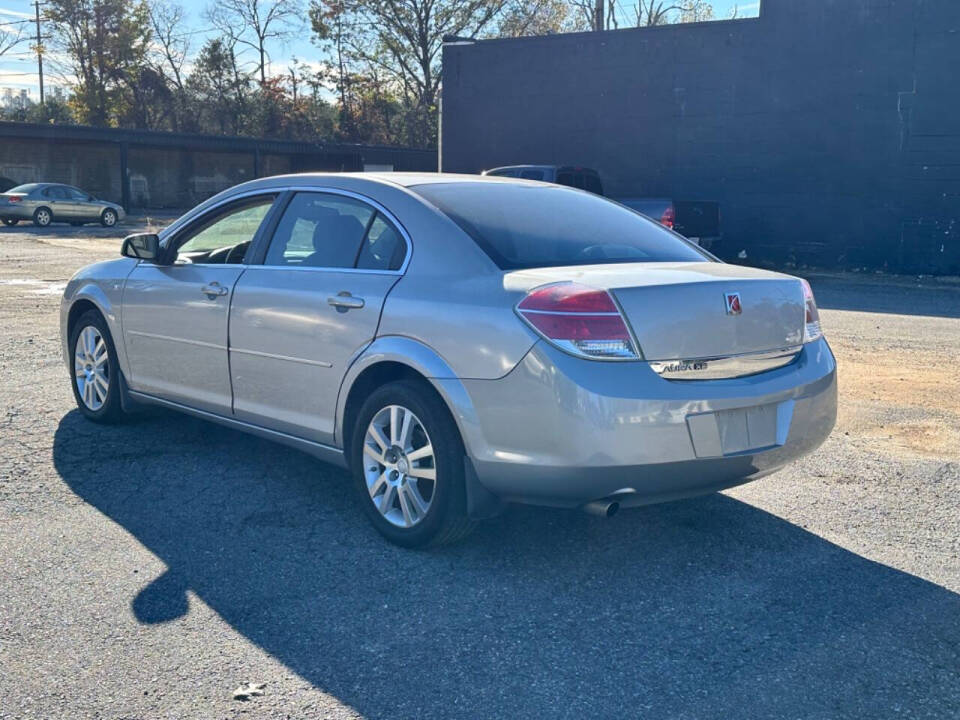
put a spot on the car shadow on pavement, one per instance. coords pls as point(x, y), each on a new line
point(884, 295)
point(704, 608)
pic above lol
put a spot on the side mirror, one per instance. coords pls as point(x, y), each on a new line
point(145, 246)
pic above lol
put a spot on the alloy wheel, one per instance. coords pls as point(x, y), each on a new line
point(109, 218)
point(43, 217)
point(399, 466)
point(91, 365)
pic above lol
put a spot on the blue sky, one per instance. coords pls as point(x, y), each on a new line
point(18, 68)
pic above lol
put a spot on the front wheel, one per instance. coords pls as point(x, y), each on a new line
point(96, 374)
point(42, 217)
point(10, 222)
point(407, 461)
point(108, 218)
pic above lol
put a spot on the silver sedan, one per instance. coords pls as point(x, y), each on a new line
point(44, 203)
point(459, 343)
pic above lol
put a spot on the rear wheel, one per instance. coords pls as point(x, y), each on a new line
point(42, 217)
point(108, 218)
point(407, 461)
point(10, 222)
point(96, 374)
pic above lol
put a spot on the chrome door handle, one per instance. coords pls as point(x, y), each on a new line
point(214, 290)
point(345, 301)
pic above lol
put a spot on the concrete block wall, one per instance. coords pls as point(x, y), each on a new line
point(829, 130)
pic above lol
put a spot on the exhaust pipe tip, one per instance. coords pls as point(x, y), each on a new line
point(602, 508)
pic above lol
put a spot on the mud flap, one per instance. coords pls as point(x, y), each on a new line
point(481, 503)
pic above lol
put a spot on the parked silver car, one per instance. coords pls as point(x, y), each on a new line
point(459, 343)
point(44, 203)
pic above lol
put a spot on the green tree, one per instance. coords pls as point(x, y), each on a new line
point(219, 90)
point(105, 43)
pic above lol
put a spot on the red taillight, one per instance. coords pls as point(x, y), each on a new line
point(14, 198)
point(668, 217)
point(581, 320)
point(811, 326)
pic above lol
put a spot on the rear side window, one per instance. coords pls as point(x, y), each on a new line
point(383, 248)
point(320, 230)
point(522, 226)
point(55, 193)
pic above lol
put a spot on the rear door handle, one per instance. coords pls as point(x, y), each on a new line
point(214, 290)
point(345, 301)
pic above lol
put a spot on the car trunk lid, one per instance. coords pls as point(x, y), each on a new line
point(690, 311)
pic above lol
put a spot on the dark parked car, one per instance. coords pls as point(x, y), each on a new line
point(572, 176)
point(696, 220)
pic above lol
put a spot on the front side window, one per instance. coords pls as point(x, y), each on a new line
point(77, 195)
point(320, 230)
point(224, 238)
point(528, 226)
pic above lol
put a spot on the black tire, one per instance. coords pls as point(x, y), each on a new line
point(42, 217)
point(10, 222)
point(111, 410)
point(446, 518)
point(108, 218)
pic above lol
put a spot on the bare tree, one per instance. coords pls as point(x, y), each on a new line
point(402, 40)
point(647, 13)
point(11, 33)
point(256, 23)
point(171, 40)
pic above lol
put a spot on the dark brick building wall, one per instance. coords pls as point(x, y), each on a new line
point(829, 130)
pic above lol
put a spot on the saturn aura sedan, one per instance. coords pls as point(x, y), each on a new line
point(459, 343)
point(44, 203)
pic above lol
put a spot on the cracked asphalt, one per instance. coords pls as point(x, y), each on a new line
point(151, 569)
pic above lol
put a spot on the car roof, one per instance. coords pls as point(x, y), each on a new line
point(403, 179)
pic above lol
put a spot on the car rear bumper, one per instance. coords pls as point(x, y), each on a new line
point(563, 431)
point(16, 212)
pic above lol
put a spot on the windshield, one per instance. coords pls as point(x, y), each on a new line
point(25, 189)
point(522, 226)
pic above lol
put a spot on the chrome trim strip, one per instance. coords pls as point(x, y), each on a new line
point(274, 356)
point(185, 341)
point(328, 453)
point(573, 314)
point(725, 368)
point(300, 268)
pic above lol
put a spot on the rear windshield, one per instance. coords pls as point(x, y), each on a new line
point(521, 226)
point(25, 189)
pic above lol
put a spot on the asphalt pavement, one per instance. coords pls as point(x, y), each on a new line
point(152, 568)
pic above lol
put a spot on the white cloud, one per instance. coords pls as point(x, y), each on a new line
point(15, 13)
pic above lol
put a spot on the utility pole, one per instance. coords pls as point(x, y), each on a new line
point(598, 16)
point(36, 5)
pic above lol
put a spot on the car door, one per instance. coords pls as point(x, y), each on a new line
point(300, 318)
point(175, 312)
point(55, 197)
point(81, 205)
